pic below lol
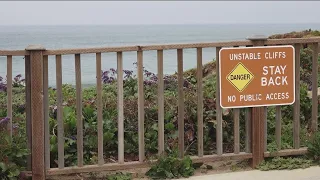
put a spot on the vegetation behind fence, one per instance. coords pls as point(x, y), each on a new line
point(128, 119)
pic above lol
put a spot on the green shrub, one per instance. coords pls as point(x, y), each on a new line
point(12, 155)
point(120, 176)
point(314, 148)
point(280, 163)
point(169, 167)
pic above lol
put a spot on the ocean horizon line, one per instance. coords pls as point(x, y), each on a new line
point(254, 23)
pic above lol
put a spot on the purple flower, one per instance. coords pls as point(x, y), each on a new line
point(4, 120)
point(127, 73)
point(154, 78)
point(15, 126)
point(3, 87)
point(148, 83)
point(148, 74)
point(186, 84)
point(73, 137)
point(113, 70)
point(1, 78)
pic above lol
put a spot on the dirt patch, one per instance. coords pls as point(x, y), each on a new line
point(205, 169)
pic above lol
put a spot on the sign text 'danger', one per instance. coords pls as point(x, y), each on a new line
point(257, 76)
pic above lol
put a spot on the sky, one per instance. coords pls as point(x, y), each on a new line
point(156, 12)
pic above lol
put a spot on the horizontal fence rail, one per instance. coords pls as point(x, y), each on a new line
point(238, 151)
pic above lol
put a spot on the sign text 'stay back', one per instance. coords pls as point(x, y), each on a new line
point(257, 76)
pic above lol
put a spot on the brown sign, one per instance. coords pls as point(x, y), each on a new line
point(257, 76)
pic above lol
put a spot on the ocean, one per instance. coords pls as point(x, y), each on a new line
point(82, 36)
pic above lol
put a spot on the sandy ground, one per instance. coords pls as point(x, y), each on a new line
point(312, 173)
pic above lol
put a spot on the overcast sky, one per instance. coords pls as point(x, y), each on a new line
point(156, 12)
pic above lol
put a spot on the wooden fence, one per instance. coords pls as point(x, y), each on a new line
point(36, 66)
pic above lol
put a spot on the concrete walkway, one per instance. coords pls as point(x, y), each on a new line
point(312, 173)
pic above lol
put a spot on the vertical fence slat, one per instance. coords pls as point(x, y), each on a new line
point(314, 124)
point(120, 109)
point(278, 126)
point(9, 93)
point(247, 117)
point(296, 108)
point(265, 128)
point(99, 109)
point(160, 103)
point(200, 102)
point(218, 108)
point(180, 102)
point(236, 128)
point(60, 112)
point(236, 135)
point(28, 109)
point(79, 110)
point(248, 124)
point(46, 112)
point(140, 106)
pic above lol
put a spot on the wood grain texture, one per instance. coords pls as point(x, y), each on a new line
point(140, 106)
point(120, 109)
point(296, 106)
point(60, 112)
point(79, 110)
point(200, 102)
point(37, 116)
point(28, 110)
point(236, 130)
point(9, 94)
point(278, 126)
point(46, 112)
point(180, 103)
point(160, 103)
point(248, 123)
point(99, 109)
point(218, 108)
point(315, 57)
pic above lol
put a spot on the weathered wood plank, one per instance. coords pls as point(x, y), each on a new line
point(218, 107)
point(160, 103)
point(120, 108)
point(236, 130)
point(46, 112)
point(79, 110)
point(200, 102)
point(28, 110)
point(314, 123)
point(140, 106)
point(60, 113)
point(248, 123)
point(278, 126)
point(9, 94)
point(180, 102)
point(296, 107)
point(99, 109)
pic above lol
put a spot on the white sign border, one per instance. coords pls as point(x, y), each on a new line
point(262, 105)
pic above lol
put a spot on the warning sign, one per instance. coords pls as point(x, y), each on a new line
point(240, 77)
point(256, 76)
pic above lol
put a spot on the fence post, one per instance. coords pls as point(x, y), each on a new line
point(35, 75)
point(258, 120)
